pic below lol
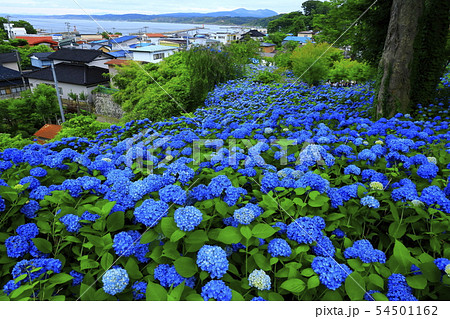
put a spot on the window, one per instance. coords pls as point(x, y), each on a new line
point(158, 56)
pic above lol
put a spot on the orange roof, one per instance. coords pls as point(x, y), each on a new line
point(117, 62)
point(48, 131)
point(155, 35)
point(37, 40)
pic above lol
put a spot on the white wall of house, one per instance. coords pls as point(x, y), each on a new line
point(124, 45)
point(65, 88)
point(154, 57)
point(11, 65)
point(100, 62)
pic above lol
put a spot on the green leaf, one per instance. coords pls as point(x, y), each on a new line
point(294, 285)
point(401, 259)
point(115, 221)
point(313, 282)
point(155, 292)
point(376, 280)
point(168, 226)
point(397, 230)
point(417, 281)
point(43, 245)
point(308, 272)
point(355, 286)
point(132, 269)
point(106, 261)
point(149, 236)
point(60, 278)
point(246, 231)
point(185, 266)
point(88, 264)
point(95, 240)
point(177, 235)
point(430, 271)
point(236, 296)
point(313, 194)
point(262, 262)
point(230, 235)
point(263, 231)
point(222, 208)
point(107, 207)
point(196, 237)
point(175, 294)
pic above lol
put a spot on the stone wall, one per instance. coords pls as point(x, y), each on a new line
point(105, 105)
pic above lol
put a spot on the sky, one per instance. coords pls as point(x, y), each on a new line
point(60, 7)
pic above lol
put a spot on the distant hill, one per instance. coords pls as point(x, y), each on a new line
point(235, 17)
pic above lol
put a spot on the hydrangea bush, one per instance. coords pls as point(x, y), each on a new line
point(268, 192)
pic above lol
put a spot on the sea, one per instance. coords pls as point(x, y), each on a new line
point(56, 25)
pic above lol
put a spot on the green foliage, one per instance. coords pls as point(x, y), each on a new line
point(6, 141)
point(267, 77)
point(292, 22)
point(312, 62)
point(17, 24)
point(243, 52)
point(276, 38)
point(24, 51)
point(351, 70)
point(81, 126)
point(27, 114)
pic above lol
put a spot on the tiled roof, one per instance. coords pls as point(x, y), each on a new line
point(117, 62)
point(155, 35)
point(48, 131)
point(119, 54)
point(71, 73)
point(77, 55)
point(8, 57)
point(37, 40)
point(124, 39)
point(267, 44)
point(9, 77)
point(43, 56)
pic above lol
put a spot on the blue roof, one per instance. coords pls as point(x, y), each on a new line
point(99, 41)
point(119, 54)
point(138, 45)
point(298, 39)
point(154, 48)
point(124, 39)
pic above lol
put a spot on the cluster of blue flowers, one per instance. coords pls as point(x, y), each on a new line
point(259, 279)
point(127, 243)
point(217, 290)
point(187, 218)
point(115, 281)
point(364, 250)
point(213, 259)
point(398, 289)
point(331, 273)
point(169, 277)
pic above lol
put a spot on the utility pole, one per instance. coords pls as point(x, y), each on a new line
point(10, 32)
point(57, 92)
point(20, 67)
point(68, 28)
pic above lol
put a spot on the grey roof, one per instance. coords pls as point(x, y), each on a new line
point(72, 73)
point(9, 77)
point(43, 56)
point(8, 57)
point(77, 55)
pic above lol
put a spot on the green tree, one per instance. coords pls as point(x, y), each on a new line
point(8, 141)
point(243, 52)
point(84, 125)
point(292, 22)
point(351, 70)
point(276, 38)
point(25, 24)
point(311, 63)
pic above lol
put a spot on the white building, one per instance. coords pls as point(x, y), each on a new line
point(152, 53)
point(13, 32)
point(225, 37)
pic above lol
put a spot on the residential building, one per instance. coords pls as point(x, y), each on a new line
point(153, 37)
point(152, 53)
point(10, 60)
point(40, 59)
point(308, 34)
point(254, 35)
point(72, 77)
point(40, 40)
point(300, 40)
point(11, 83)
point(225, 37)
point(47, 133)
point(267, 47)
point(124, 42)
point(85, 57)
point(174, 42)
point(13, 32)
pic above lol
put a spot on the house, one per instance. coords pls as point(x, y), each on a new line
point(72, 77)
point(204, 41)
point(40, 59)
point(173, 42)
point(9, 60)
point(225, 37)
point(267, 47)
point(153, 37)
point(299, 40)
point(124, 42)
point(13, 32)
point(47, 133)
point(39, 40)
point(112, 64)
point(308, 34)
point(254, 35)
point(121, 54)
point(79, 56)
point(11, 83)
point(90, 37)
point(152, 53)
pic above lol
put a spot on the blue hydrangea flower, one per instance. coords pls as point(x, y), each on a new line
point(258, 299)
point(259, 279)
point(34, 183)
point(364, 250)
point(370, 202)
point(10, 286)
point(124, 244)
point(398, 289)
point(38, 172)
point(168, 276)
point(26, 267)
point(352, 169)
point(218, 184)
point(213, 259)
point(2, 204)
point(217, 290)
point(338, 233)
point(77, 278)
point(331, 274)
point(28, 231)
point(139, 290)
point(324, 247)
point(17, 246)
point(441, 263)
point(89, 216)
point(315, 181)
point(279, 248)
point(305, 230)
point(428, 170)
point(29, 209)
point(187, 218)
point(151, 212)
point(172, 193)
point(282, 226)
point(232, 194)
point(72, 222)
point(115, 281)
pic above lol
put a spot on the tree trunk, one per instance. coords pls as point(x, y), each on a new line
point(394, 94)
